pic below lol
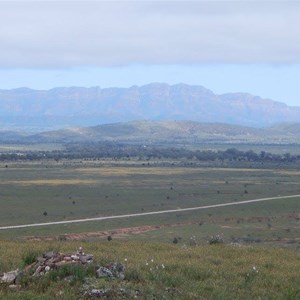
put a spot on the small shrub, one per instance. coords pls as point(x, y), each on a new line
point(29, 258)
point(250, 276)
point(133, 275)
point(76, 273)
point(40, 284)
point(216, 239)
point(62, 238)
point(25, 280)
point(193, 241)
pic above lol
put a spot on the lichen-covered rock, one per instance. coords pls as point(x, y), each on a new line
point(10, 277)
point(114, 270)
point(118, 270)
point(98, 292)
point(104, 272)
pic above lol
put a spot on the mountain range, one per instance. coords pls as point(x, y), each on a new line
point(39, 110)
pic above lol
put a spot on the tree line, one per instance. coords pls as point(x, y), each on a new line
point(125, 151)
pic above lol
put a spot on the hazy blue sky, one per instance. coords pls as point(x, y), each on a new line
point(226, 46)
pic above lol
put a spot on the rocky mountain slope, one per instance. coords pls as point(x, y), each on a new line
point(76, 106)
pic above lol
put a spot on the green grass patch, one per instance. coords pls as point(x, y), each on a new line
point(165, 271)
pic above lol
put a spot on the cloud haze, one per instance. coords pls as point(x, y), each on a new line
point(93, 33)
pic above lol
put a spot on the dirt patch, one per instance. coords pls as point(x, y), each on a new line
point(231, 227)
point(120, 232)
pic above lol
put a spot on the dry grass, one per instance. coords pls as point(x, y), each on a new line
point(51, 182)
point(126, 171)
point(166, 271)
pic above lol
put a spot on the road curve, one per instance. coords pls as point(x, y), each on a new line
point(147, 213)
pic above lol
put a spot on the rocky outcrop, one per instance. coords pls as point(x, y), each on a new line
point(114, 270)
point(10, 277)
point(54, 260)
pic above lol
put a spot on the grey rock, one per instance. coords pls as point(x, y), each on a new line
point(118, 270)
point(37, 271)
point(47, 268)
point(104, 272)
point(19, 277)
point(49, 254)
point(86, 258)
point(9, 277)
point(114, 270)
point(14, 287)
point(98, 292)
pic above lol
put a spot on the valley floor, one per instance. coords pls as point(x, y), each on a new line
point(248, 251)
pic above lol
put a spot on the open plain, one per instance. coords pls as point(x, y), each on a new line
point(243, 250)
point(60, 191)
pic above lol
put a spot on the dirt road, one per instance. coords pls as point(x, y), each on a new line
point(148, 213)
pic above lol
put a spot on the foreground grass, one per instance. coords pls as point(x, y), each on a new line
point(166, 271)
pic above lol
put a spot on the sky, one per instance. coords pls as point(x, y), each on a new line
point(226, 46)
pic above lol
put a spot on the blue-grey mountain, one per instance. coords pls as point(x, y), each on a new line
point(38, 110)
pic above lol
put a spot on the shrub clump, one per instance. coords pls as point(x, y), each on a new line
point(29, 258)
point(216, 239)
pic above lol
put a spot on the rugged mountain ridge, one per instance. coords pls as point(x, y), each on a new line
point(77, 106)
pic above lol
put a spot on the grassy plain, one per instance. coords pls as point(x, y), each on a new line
point(6, 148)
point(75, 190)
point(189, 269)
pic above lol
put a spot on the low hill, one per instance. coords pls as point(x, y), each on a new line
point(170, 132)
point(7, 136)
point(287, 128)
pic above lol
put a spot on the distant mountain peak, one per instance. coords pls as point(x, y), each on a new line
point(80, 106)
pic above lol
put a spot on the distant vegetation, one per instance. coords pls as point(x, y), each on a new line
point(123, 151)
point(179, 133)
